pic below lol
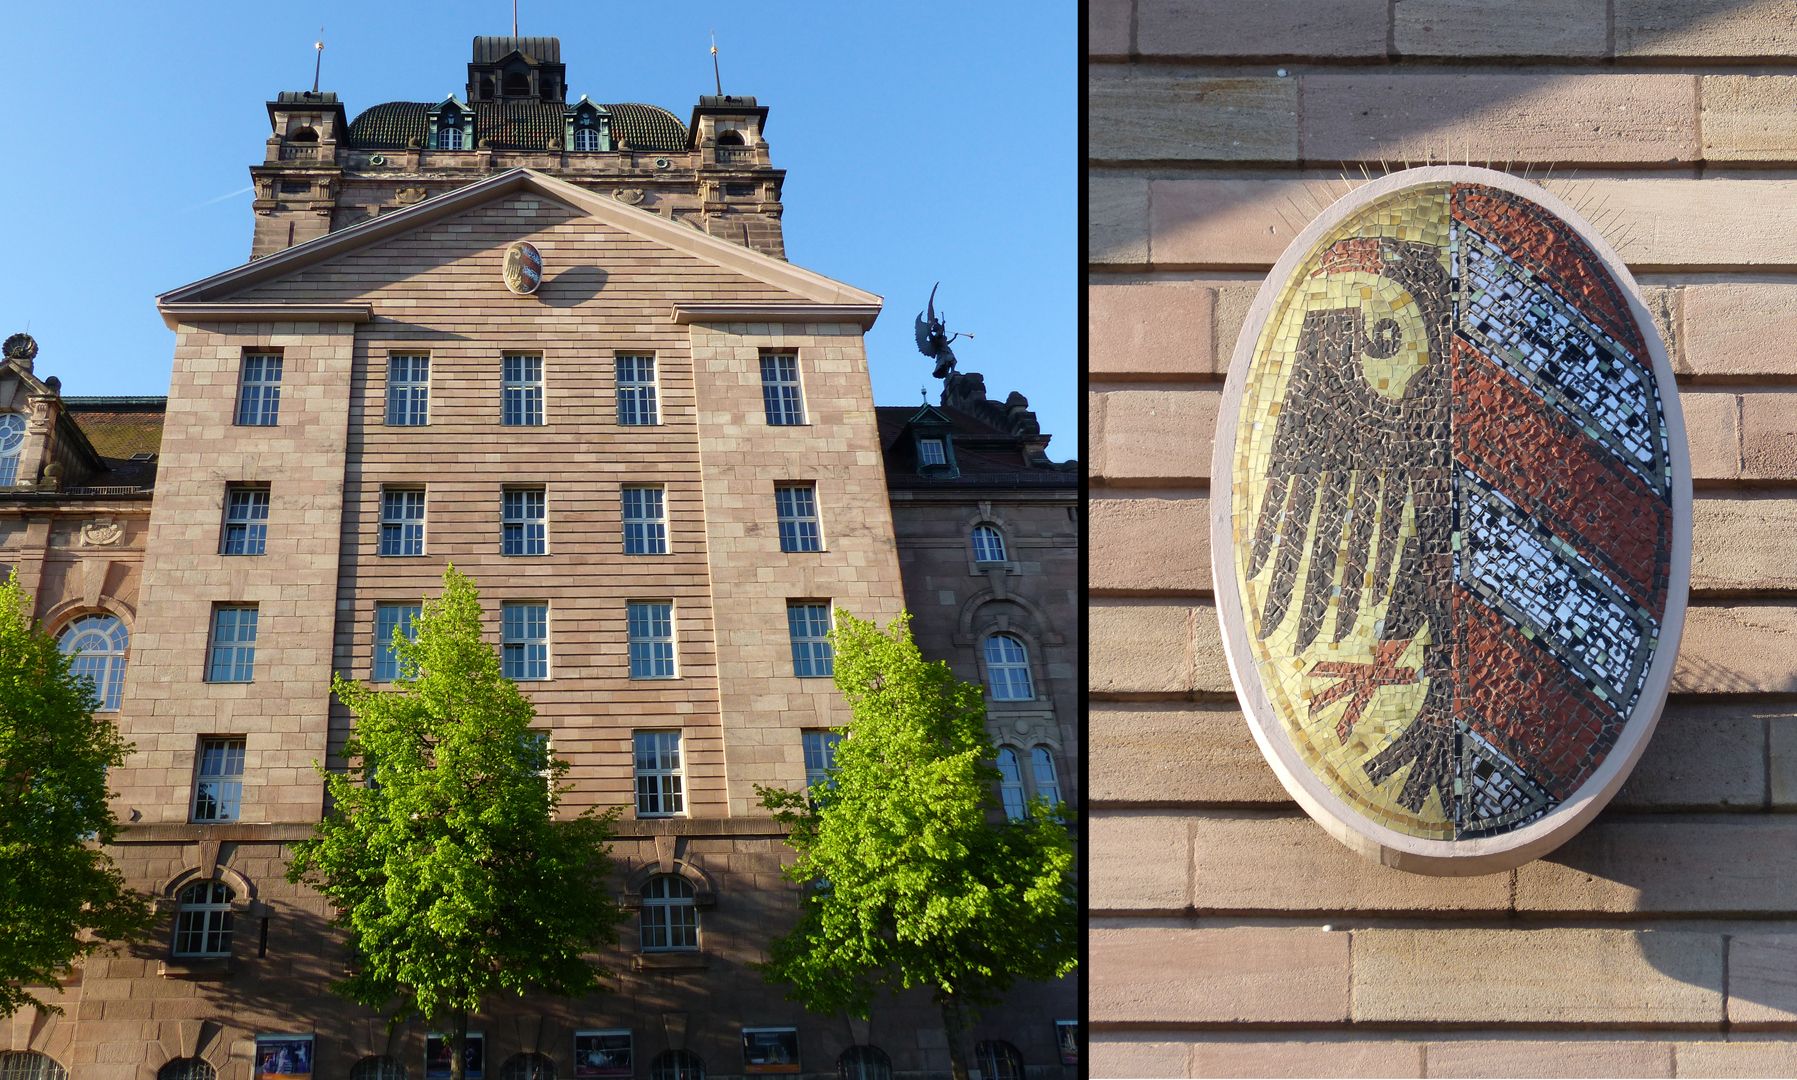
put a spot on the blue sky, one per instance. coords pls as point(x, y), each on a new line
point(921, 141)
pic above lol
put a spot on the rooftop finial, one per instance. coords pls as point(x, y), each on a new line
point(714, 64)
point(317, 60)
point(514, 18)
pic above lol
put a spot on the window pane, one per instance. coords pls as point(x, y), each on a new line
point(795, 506)
point(12, 445)
point(203, 920)
point(931, 452)
point(988, 544)
point(670, 916)
point(259, 390)
point(524, 636)
point(408, 390)
point(402, 521)
point(1010, 784)
point(659, 790)
point(651, 629)
point(809, 625)
point(522, 396)
point(246, 520)
point(780, 390)
point(218, 782)
point(524, 527)
point(1046, 785)
point(1008, 669)
point(636, 390)
point(232, 657)
point(645, 524)
point(820, 756)
point(98, 644)
point(388, 618)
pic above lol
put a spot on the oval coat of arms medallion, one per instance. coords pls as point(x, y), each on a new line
point(1451, 526)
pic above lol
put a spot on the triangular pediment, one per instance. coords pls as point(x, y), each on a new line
point(804, 285)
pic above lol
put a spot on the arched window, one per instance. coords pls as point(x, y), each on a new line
point(1008, 669)
point(988, 544)
point(1047, 786)
point(999, 1061)
point(380, 1067)
point(586, 139)
point(676, 1065)
point(527, 1067)
point(864, 1063)
point(730, 138)
point(186, 1069)
point(203, 920)
point(670, 919)
point(1010, 784)
point(98, 644)
point(303, 135)
point(449, 131)
point(515, 84)
point(27, 1065)
point(12, 445)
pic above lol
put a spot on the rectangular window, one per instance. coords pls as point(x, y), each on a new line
point(408, 390)
point(603, 1054)
point(246, 520)
point(651, 627)
point(232, 656)
point(521, 402)
point(931, 452)
point(658, 783)
point(537, 753)
point(636, 391)
point(524, 521)
point(259, 390)
point(402, 521)
point(218, 783)
point(796, 507)
point(524, 641)
point(820, 756)
point(645, 521)
point(809, 624)
point(780, 389)
point(387, 619)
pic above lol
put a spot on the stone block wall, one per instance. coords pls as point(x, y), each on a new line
point(1231, 935)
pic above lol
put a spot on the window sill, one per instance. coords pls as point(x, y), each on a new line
point(195, 968)
point(670, 961)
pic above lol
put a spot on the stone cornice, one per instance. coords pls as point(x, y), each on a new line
point(861, 314)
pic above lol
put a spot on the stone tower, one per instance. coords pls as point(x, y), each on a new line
point(322, 172)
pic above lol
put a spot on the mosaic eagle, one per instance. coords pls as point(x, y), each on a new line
point(1351, 450)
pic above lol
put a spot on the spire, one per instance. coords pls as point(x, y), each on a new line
point(714, 63)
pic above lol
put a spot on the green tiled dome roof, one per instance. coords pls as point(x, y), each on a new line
point(514, 125)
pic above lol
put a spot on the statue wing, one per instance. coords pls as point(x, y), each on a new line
point(923, 338)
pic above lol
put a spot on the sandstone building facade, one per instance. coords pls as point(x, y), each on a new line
point(1230, 934)
point(662, 469)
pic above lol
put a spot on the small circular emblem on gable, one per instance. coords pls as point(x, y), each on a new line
point(523, 268)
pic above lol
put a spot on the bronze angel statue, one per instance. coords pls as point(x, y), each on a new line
point(933, 338)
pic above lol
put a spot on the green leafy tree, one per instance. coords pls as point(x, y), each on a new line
point(913, 878)
point(442, 853)
point(60, 896)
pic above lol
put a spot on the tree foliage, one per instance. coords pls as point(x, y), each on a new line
point(441, 852)
point(913, 878)
point(60, 896)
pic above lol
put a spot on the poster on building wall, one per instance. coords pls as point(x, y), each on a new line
point(1066, 1034)
point(602, 1054)
point(285, 1056)
point(770, 1050)
point(439, 1058)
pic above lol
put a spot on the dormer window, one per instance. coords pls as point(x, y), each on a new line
point(449, 127)
point(589, 128)
point(516, 84)
point(931, 452)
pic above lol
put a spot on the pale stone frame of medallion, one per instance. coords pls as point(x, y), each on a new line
point(1483, 855)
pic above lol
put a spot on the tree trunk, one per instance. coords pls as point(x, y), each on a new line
point(458, 1063)
point(954, 1026)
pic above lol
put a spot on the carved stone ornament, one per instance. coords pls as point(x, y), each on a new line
point(631, 195)
point(409, 195)
point(102, 532)
point(1451, 533)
